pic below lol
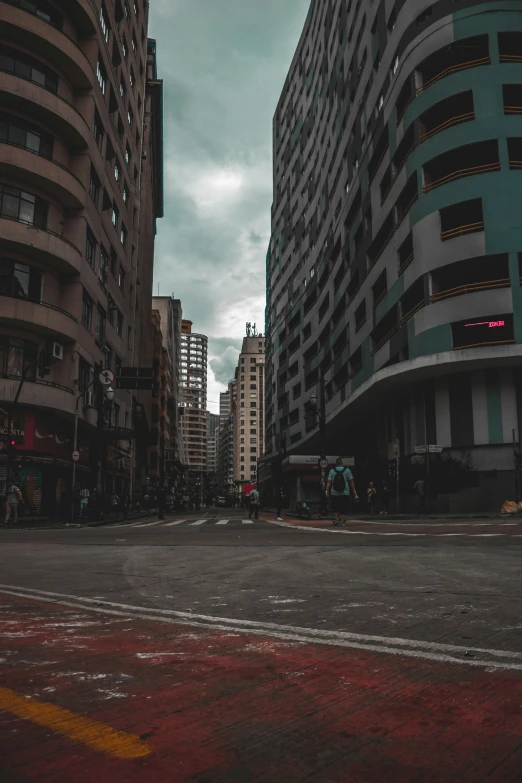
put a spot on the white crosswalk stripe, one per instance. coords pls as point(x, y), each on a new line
point(199, 522)
point(222, 522)
point(247, 521)
point(176, 522)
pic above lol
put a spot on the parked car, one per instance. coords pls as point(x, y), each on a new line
point(221, 502)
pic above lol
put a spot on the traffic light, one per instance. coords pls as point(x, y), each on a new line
point(11, 449)
point(44, 364)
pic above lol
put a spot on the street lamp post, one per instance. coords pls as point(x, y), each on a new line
point(321, 415)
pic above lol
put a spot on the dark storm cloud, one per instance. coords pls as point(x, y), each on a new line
point(223, 63)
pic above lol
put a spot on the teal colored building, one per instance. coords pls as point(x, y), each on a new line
point(395, 263)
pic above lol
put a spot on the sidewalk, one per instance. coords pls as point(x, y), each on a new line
point(421, 518)
point(40, 523)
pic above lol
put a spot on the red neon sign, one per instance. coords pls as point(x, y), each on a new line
point(490, 324)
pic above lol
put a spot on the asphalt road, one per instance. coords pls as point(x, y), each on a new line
point(461, 589)
point(213, 649)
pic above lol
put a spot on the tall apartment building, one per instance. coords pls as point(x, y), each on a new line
point(249, 412)
point(81, 187)
point(194, 352)
point(396, 251)
point(213, 423)
point(167, 395)
point(226, 439)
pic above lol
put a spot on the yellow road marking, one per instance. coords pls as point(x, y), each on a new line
point(95, 735)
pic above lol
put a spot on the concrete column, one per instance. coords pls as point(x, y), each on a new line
point(442, 412)
point(509, 405)
point(480, 408)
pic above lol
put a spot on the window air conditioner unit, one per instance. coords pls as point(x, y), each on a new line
point(88, 399)
point(57, 351)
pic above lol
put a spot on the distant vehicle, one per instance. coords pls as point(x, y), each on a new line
point(221, 502)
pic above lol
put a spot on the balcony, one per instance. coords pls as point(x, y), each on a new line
point(458, 56)
point(466, 161)
point(412, 301)
point(83, 13)
point(47, 319)
point(484, 331)
point(44, 40)
point(40, 394)
point(405, 254)
point(466, 217)
point(445, 114)
point(51, 177)
point(510, 47)
point(470, 276)
point(512, 94)
point(45, 107)
point(515, 153)
point(54, 250)
point(384, 331)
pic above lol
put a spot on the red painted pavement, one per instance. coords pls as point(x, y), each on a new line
point(219, 707)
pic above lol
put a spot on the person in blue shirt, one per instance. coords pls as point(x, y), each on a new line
point(339, 487)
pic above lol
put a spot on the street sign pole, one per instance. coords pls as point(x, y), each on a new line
point(396, 450)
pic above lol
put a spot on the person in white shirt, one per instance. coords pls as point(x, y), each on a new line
point(13, 498)
point(254, 503)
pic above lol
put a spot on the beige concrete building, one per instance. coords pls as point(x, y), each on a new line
point(249, 411)
point(81, 187)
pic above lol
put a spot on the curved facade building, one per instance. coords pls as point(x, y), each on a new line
point(394, 265)
point(80, 190)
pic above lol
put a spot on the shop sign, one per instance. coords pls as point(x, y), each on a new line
point(17, 428)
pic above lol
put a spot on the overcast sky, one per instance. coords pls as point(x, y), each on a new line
point(223, 63)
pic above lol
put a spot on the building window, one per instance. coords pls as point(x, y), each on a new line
point(94, 187)
point(123, 235)
point(132, 78)
point(117, 171)
point(119, 323)
point(112, 261)
point(21, 134)
point(125, 195)
point(128, 155)
point(115, 216)
point(16, 356)
point(127, 11)
point(98, 130)
point(101, 319)
point(20, 280)
point(108, 352)
point(24, 66)
point(123, 90)
point(104, 265)
point(87, 306)
point(130, 117)
point(101, 75)
point(84, 375)
point(117, 367)
point(104, 24)
point(18, 205)
point(121, 278)
point(41, 9)
point(124, 48)
point(90, 248)
point(134, 44)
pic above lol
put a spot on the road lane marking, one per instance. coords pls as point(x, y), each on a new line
point(98, 736)
point(177, 522)
point(247, 521)
point(348, 532)
point(199, 522)
point(223, 522)
point(384, 644)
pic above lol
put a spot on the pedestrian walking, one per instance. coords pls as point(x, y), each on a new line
point(385, 498)
point(254, 503)
point(84, 502)
point(340, 485)
point(420, 489)
point(13, 500)
point(372, 497)
point(115, 502)
point(280, 504)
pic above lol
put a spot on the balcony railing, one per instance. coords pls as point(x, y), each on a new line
point(510, 58)
point(356, 369)
point(470, 288)
point(45, 157)
point(381, 250)
point(411, 312)
point(40, 382)
point(460, 174)
point(379, 298)
point(360, 324)
point(39, 228)
point(384, 340)
point(515, 164)
point(402, 266)
point(48, 305)
point(512, 109)
point(384, 196)
point(459, 231)
point(443, 125)
point(454, 69)
point(402, 215)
